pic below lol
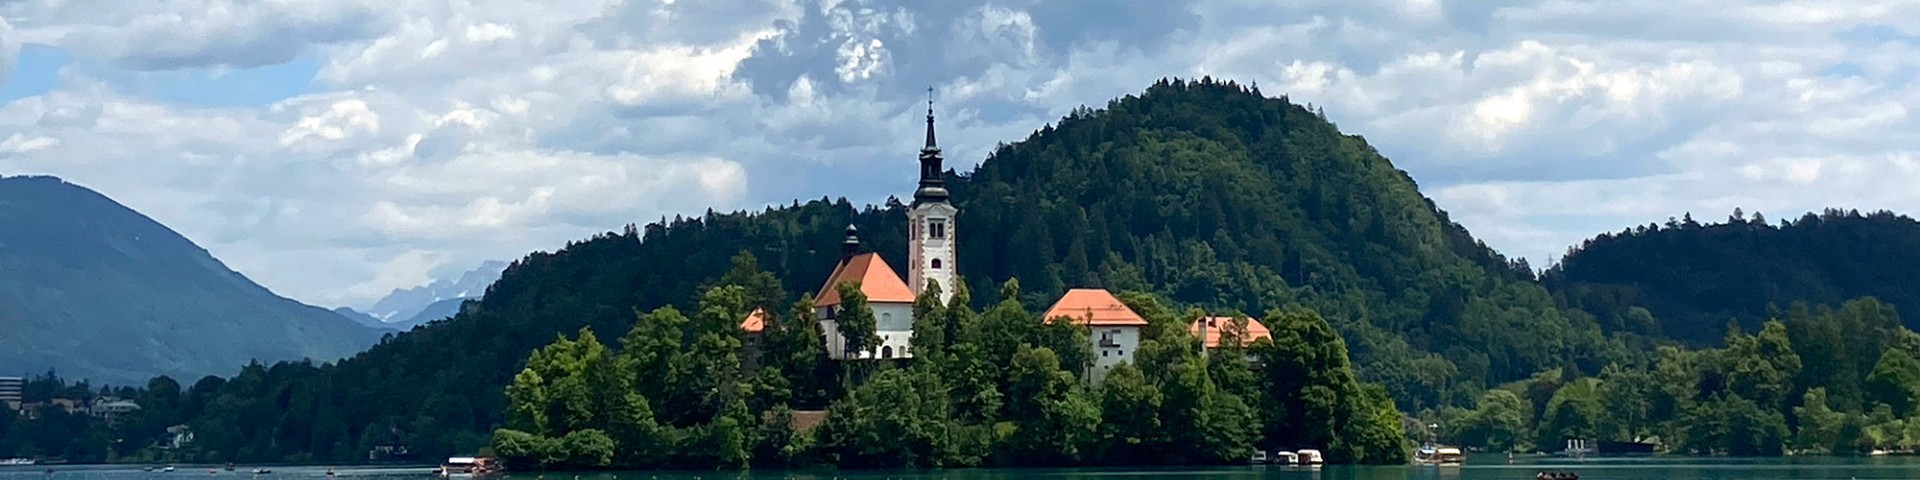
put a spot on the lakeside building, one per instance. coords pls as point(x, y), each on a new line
point(1211, 329)
point(1114, 329)
point(11, 391)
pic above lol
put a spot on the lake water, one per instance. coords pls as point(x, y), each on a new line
point(1476, 469)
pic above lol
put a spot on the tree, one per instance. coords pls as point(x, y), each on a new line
point(1762, 367)
point(1820, 426)
point(1130, 427)
point(887, 422)
point(1895, 382)
point(1498, 422)
point(855, 322)
point(1052, 417)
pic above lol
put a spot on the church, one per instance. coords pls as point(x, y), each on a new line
point(930, 260)
point(1115, 330)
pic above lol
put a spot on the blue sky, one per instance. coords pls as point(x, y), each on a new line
point(337, 149)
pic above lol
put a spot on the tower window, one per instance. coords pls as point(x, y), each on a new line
point(938, 230)
point(936, 264)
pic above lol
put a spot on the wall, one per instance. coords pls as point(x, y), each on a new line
point(892, 321)
point(1111, 346)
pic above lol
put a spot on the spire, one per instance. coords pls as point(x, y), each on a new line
point(850, 246)
point(931, 145)
point(933, 183)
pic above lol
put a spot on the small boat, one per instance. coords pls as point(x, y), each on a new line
point(168, 468)
point(1311, 457)
point(1259, 457)
point(16, 461)
point(1556, 476)
point(229, 466)
point(261, 471)
point(1438, 455)
point(469, 467)
point(1286, 458)
point(329, 471)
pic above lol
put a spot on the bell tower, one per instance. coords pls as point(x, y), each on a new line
point(930, 222)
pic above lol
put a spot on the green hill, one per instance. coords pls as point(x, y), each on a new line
point(97, 291)
point(1692, 279)
point(1207, 193)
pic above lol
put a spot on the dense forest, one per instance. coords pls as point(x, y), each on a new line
point(1686, 281)
point(1196, 196)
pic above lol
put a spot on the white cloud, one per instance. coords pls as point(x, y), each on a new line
point(445, 132)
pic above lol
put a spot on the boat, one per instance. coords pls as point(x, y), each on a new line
point(1311, 457)
point(470, 467)
point(261, 471)
point(1259, 457)
point(168, 468)
point(16, 461)
point(1438, 455)
point(229, 466)
point(1284, 457)
point(1556, 476)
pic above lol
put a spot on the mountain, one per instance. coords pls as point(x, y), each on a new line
point(95, 290)
point(1686, 280)
point(435, 311)
point(361, 318)
point(405, 306)
point(1207, 193)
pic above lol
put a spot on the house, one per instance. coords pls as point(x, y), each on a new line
point(177, 436)
point(754, 327)
point(111, 409)
point(1210, 329)
point(1113, 328)
point(931, 260)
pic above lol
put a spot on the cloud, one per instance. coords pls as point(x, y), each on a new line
point(9, 51)
point(439, 133)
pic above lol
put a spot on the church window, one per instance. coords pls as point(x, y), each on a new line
point(886, 352)
point(938, 230)
point(936, 264)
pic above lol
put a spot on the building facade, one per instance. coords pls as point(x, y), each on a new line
point(1113, 328)
point(11, 392)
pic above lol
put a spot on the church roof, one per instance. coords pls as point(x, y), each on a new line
point(1093, 306)
point(755, 322)
point(1216, 325)
point(875, 277)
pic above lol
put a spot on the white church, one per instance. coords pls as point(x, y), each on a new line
point(930, 259)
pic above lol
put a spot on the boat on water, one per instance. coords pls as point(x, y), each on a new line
point(1284, 457)
point(469, 467)
point(1310, 457)
point(261, 471)
point(1438, 455)
point(168, 468)
point(16, 461)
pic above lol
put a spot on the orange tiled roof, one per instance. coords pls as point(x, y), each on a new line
point(755, 322)
point(1215, 325)
point(875, 277)
point(1082, 303)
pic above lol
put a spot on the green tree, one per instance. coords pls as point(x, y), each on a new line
point(888, 422)
point(855, 322)
point(1130, 428)
point(1053, 418)
point(1762, 367)
point(1820, 426)
point(1498, 422)
point(1895, 382)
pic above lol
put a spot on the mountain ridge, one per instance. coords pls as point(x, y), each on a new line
point(96, 290)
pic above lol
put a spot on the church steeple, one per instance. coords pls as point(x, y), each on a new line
point(933, 183)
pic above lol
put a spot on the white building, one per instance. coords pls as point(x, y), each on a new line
point(11, 389)
point(1113, 328)
point(930, 260)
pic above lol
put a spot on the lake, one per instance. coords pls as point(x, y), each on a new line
point(1476, 469)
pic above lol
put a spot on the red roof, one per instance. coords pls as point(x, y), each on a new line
point(875, 277)
point(1216, 325)
point(1093, 306)
point(755, 322)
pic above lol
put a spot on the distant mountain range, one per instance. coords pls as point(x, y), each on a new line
point(405, 308)
point(95, 290)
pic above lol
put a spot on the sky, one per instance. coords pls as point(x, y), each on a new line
point(334, 150)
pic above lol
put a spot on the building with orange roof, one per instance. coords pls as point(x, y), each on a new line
point(1210, 329)
point(1113, 328)
point(755, 326)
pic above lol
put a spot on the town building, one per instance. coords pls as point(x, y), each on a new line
point(1114, 329)
point(755, 326)
point(931, 260)
point(12, 392)
point(1210, 329)
point(110, 409)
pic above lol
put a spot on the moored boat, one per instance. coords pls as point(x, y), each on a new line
point(1311, 457)
point(469, 467)
point(1438, 455)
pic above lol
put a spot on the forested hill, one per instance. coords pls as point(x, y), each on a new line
point(95, 290)
point(1208, 193)
point(1692, 279)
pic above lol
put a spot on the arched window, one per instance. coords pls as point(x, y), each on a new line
point(886, 352)
point(936, 264)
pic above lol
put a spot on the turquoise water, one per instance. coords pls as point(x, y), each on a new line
point(1476, 469)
